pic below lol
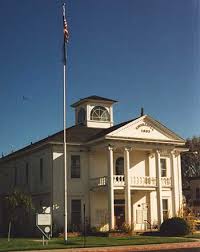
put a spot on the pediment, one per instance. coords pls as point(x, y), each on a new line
point(147, 128)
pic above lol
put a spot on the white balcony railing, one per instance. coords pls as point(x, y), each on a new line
point(166, 182)
point(119, 180)
point(98, 182)
point(143, 181)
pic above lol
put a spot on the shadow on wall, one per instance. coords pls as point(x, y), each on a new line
point(58, 193)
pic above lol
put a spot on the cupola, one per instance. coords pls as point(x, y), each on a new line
point(94, 111)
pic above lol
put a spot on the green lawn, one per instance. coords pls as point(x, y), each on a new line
point(195, 236)
point(91, 241)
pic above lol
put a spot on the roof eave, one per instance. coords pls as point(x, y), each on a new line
point(25, 150)
point(159, 124)
point(92, 100)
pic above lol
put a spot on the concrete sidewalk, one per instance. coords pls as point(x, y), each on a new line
point(133, 248)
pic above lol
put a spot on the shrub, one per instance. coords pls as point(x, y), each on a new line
point(94, 229)
point(175, 226)
point(57, 231)
point(126, 228)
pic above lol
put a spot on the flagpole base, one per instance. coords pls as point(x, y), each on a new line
point(65, 238)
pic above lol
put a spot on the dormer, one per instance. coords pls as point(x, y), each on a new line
point(94, 111)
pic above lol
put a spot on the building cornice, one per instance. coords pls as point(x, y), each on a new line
point(176, 142)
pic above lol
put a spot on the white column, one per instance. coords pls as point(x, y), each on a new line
point(152, 173)
point(110, 189)
point(127, 186)
point(180, 184)
point(159, 188)
point(174, 184)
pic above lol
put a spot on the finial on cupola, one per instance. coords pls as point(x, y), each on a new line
point(142, 111)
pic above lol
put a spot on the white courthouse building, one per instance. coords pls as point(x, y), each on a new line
point(125, 173)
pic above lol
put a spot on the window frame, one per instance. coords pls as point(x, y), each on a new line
point(81, 115)
point(117, 167)
point(77, 214)
point(165, 212)
point(27, 173)
point(41, 171)
point(15, 176)
point(74, 174)
point(161, 168)
point(99, 115)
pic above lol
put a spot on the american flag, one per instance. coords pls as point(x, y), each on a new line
point(65, 27)
point(66, 32)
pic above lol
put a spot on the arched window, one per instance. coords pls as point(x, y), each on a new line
point(99, 113)
point(119, 166)
point(81, 115)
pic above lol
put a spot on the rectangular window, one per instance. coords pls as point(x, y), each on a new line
point(163, 167)
point(41, 171)
point(15, 176)
point(75, 166)
point(76, 215)
point(198, 193)
point(27, 173)
point(165, 209)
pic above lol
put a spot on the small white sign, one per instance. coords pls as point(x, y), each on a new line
point(43, 219)
point(47, 230)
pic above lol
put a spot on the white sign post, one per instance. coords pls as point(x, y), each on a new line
point(43, 219)
point(43, 223)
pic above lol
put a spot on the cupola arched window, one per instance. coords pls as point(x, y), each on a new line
point(99, 113)
point(81, 115)
point(119, 166)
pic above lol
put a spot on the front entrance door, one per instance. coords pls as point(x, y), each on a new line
point(119, 216)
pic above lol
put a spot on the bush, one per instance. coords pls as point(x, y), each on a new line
point(95, 231)
point(56, 231)
point(126, 228)
point(175, 226)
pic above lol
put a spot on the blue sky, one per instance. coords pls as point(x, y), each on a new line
point(139, 52)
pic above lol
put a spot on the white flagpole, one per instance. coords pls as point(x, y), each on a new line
point(65, 154)
point(64, 134)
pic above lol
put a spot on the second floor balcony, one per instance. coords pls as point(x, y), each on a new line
point(135, 182)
